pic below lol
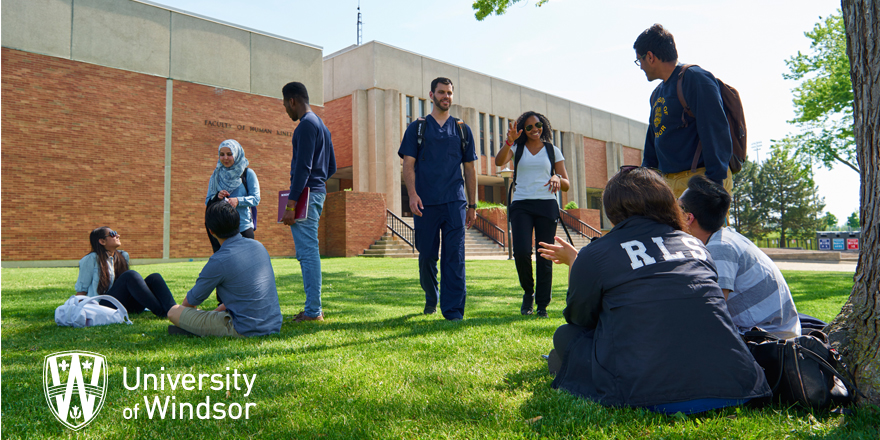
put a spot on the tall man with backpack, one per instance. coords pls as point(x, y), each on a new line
point(433, 150)
point(692, 117)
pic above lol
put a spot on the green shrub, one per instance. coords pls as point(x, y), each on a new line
point(571, 205)
point(481, 204)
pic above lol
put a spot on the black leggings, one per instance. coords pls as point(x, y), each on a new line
point(540, 216)
point(248, 233)
point(136, 293)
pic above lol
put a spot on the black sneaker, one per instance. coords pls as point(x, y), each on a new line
point(430, 310)
point(542, 313)
point(526, 307)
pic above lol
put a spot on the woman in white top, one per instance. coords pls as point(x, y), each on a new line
point(105, 271)
point(538, 174)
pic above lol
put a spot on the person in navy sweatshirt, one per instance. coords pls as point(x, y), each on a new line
point(673, 136)
point(312, 164)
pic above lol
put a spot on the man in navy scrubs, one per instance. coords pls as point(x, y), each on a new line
point(433, 177)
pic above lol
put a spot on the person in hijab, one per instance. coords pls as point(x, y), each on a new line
point(234, 183)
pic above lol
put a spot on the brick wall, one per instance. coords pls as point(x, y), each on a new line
point(595, 166)
point(263, 129)
point(337, 117)
point(83, 146)
point(352, 221)
point(632, 156)
point(592, 217)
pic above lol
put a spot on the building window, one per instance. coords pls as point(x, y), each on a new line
point(560, 140)
point(556, 137)
point(492, 135)
point(482, 134)
point(409, 110)
point(489, 194)
point(422, 107)
point(502, 135)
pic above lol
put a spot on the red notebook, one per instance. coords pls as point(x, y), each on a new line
point(302, 205)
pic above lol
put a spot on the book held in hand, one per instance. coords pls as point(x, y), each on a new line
point(302, 205)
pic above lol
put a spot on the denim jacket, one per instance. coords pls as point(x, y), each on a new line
point(90, 276)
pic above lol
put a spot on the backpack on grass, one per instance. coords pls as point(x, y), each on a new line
point(733, 110)
point(84, 311)
point(803, 370)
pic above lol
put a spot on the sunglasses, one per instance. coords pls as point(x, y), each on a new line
point(537, 125)
point(628, 168)
point(112, 234)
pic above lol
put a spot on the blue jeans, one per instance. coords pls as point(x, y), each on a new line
point(305, 238)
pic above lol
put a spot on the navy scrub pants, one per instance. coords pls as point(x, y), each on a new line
point(450, 219)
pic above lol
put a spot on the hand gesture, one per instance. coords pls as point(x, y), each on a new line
point(222, 194)
point(563, 253)
point(512, 133)
point(233, 201)
point(554, 183)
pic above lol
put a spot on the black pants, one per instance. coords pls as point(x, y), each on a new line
point(539, 216)
point(136, 293)
point(248, 233)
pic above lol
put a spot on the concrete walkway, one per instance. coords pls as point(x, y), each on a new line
point(785, 259)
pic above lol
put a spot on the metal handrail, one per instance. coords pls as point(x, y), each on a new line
point(579, 226)
point(400, 228)
point(490, 230)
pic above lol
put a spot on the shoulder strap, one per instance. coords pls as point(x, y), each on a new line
point(551, 154)
point(460, 124)
point(687, 109)
point(245, 182)
point(420, 136)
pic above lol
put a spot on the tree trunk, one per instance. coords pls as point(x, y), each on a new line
point(856, 330)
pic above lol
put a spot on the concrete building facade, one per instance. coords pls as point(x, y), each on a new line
point(387, 88)
point(112, 111)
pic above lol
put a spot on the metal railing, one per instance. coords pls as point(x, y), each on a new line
point(400, 228)
point(791, 243)
point(490, 230)
point(579, 226)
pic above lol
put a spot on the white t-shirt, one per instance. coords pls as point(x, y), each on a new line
point(533, 172)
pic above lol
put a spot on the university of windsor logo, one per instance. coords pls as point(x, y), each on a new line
point(75, 384)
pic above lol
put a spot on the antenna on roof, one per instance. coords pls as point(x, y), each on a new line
point(360, 25)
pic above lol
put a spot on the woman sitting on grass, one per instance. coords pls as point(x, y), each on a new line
point(104, 271)
point(647, 323)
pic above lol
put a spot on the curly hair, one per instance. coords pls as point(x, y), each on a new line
point(119, 263)
point(643, 192)
point(546, 133)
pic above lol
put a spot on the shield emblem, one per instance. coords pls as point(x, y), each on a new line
point(75, 383)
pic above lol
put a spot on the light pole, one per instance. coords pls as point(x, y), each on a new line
point(506, 173)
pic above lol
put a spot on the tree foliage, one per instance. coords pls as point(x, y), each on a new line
point(485, 8)
point(828, 222)
point(853, 221)
point(747, 205)
point(788, 195)
point(777, 196)
point(823, 100)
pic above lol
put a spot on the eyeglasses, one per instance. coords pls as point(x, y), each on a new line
point(628, 168)
point(112, 234)
point(638, 60)
point(538, 125)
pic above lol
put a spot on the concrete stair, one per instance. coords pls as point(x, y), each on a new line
point(475, 244)
point(579, 240)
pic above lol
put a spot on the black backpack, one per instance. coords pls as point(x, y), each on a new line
point(420, 133)
point(803, 370)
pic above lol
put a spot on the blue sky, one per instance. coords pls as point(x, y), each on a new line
point(578, 49)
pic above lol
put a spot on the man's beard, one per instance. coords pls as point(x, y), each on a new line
point(438, 105)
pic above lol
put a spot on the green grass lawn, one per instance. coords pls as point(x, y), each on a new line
point(377, 368)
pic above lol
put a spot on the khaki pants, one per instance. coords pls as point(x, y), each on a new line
point(679, 181)
point(207, 323)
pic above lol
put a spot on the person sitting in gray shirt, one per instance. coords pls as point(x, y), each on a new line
point(756, 292)
point(241, 271)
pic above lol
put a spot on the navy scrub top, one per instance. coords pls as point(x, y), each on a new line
point(438, 168)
